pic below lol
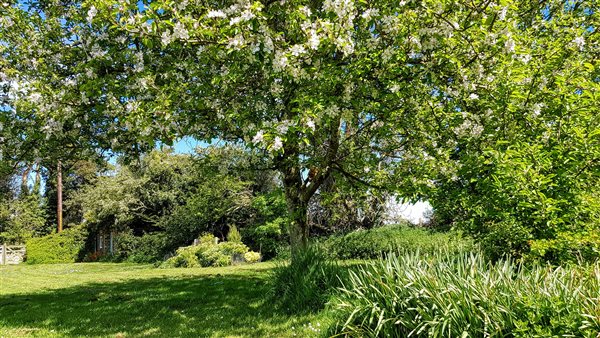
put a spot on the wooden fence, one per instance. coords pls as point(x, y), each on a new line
point(12, 254)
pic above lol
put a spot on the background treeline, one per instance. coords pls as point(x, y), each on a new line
point(163, 200)
point(160, 201)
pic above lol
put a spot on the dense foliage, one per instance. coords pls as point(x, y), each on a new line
point(490, 103)
point(64, 247)
point(442, 295)
point(377, 242)
point(166, 200)
point(209, 252)
point(22, 218)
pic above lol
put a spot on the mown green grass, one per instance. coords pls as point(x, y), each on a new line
point(121, 300)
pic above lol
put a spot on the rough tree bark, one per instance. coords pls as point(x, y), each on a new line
point(299, 190)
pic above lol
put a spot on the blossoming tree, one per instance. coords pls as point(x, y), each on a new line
point(396, 92)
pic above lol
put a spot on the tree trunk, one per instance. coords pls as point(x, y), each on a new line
point(298, 210)
point(297, 205)
point(299, 191)
point(59, 206)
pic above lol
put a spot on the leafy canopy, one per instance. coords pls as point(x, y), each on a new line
point(436, 95)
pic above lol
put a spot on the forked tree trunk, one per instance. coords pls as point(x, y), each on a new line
point(299, 190)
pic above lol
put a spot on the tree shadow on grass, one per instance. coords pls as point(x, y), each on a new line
point(230, 305)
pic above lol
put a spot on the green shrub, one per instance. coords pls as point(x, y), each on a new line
point(211, 255)
point(306, 283)
point(268, 230)
point(23, 218)
point(233, 248)
point(149, 248)
point(185, 258)
point(207, 253)
point(64, 247)
point(376, 242)
point(234, 235)
point(252, 257)
point(449, 295)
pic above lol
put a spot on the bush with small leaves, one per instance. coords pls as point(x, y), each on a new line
point(252, 257)
point(63, 247)
point(208, 253)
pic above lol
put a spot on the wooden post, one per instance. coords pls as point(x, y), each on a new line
point(59, 207)
point(3, 254)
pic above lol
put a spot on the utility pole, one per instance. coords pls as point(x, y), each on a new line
point(59, 197)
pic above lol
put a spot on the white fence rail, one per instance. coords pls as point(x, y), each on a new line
point(12, 254)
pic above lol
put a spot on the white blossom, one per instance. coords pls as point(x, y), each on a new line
point(525, 58)
point(297, 50)
point(283, 127)
point(84, 98)
point(314, 40)
point(311, 124)
point(537, 109)
point(370, 14)
point(245, 16)
point(237, 42)
point(97, 52)
point(473, 96)
point(139, 62)
point(180, 32)
point(469, 128)
point(91, 14)
point(280, 61)
point(166, 38)
point(342, 8)
point(89, 73)
point(216, 14)
point(255, 48)
point(70, 82)
point(390, 23)
point(415, 41)
point(131, 106)
point(502, 13)
point(579, 42)
point(277, 144)
point(509, 45)
point(346, 45)
point(415, 55)
point(306, 11)
point(268, 45)
point(182, 5)
point(258, 138)
point(35, 97)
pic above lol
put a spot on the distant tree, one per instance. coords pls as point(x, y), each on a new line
point(23, 219)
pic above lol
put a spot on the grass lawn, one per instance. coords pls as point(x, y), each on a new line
point(122, 300)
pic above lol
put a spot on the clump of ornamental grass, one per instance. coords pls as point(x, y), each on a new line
point(305, 283)
point(450, 295)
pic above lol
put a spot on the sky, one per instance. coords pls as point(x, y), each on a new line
point(187, 145)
